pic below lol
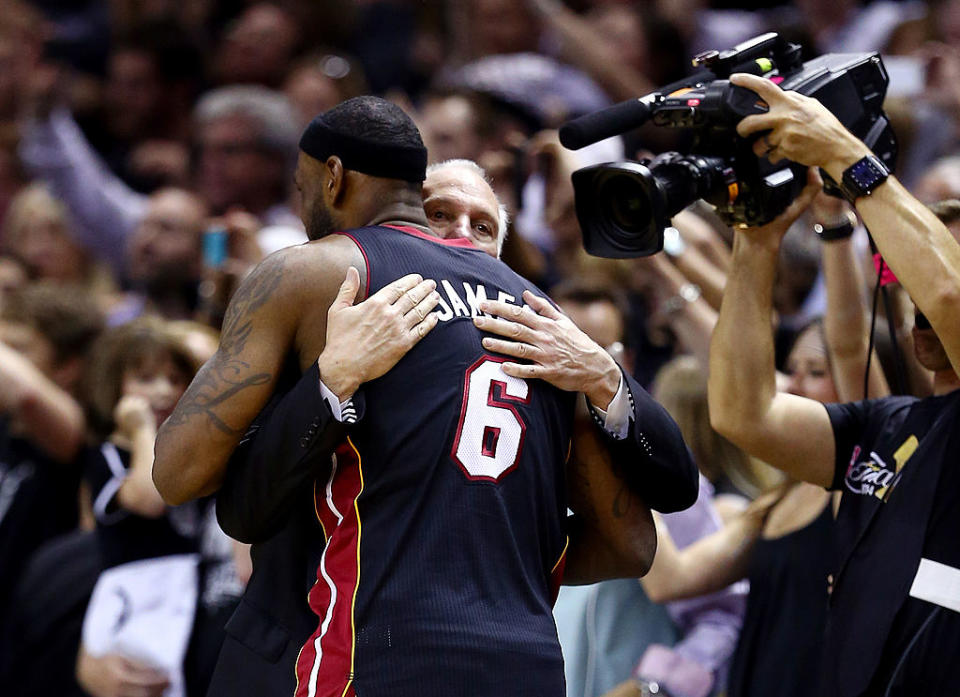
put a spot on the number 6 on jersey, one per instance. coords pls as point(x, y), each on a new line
point(490, 433)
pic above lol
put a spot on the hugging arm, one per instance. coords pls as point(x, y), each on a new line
point(290, 444)
point(645, 443)
point(195, 442)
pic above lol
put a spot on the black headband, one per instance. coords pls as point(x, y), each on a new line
point(406, 163)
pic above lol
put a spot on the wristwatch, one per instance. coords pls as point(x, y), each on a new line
point(837, 230)
point(862, 177)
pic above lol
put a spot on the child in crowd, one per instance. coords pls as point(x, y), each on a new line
point(139, 621)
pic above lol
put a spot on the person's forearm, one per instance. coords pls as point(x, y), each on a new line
point(921, 252)
point(138, 494)
point(742, 379)
point(693, 326)
point(708, 565)
point(591, 558)
point(50, 417)
point(105, 209)
point(698, 269)
point(611, 532)
point(846, 324)
point(915, 244)
point(586, 48)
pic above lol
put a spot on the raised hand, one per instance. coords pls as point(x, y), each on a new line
point(798, 128)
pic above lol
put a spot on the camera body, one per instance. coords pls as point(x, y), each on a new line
point(624, 207)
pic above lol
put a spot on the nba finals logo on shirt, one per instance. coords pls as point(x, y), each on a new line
point(873, 476)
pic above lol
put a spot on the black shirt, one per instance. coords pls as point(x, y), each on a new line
point(779, 649)
point(896, 463)
point(125, 536)
point(38, 501)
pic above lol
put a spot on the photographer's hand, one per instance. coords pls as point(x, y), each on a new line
point(799, 128)
point(772, 233)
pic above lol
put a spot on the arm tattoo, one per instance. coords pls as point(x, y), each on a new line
point(621, 502)
point(225, 375)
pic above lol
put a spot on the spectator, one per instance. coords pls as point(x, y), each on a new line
point(150, 554)
point(37, 232)
point(142, 130)
point(735, 477)
point(247, 139)
point(779, 544)
point(941, 181)
point(164, 259)
point(611, 630)
point(246, 144)
point(257, 47)
point(44, 334)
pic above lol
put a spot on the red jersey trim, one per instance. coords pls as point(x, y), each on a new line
point(326, 662)
point(458, 242)
point(366, 261)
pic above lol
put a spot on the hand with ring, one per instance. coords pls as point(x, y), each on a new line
point(366, 339)
point(557, 350)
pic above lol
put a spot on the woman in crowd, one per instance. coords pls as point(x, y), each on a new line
point(36, 231)
point(781, 543)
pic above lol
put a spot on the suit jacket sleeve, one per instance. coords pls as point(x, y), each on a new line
point(288, 446)
point(654, 459)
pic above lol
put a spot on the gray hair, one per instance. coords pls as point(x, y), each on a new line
point(503, 218)
point(270, 110)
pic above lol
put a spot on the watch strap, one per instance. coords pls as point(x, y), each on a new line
point(835, 231)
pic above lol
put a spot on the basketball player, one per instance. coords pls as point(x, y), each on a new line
point(444, 513)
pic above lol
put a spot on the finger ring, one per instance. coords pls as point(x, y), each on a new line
point(421, 330)
point(419, 312)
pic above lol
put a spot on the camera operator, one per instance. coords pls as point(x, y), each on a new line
point(893, 627)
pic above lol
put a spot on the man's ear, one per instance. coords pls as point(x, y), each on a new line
point(335, 183)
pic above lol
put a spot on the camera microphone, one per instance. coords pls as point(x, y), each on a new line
point(599, 125)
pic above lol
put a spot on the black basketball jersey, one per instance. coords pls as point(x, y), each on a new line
point(444, 513)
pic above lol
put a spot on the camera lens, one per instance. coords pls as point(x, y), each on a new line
point(625, 203)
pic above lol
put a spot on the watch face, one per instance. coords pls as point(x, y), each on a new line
point(865, 175)
point(865, 172)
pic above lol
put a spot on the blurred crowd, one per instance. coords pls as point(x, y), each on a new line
point(147, 150)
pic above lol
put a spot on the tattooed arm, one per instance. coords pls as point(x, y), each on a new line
point(259, 331)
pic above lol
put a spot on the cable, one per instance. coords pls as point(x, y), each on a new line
point(899, 368)
point(873, 330)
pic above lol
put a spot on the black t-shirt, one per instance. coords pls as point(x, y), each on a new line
point(898, 469)
point(778, 652)
point(38, 501)
point(124, 536)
